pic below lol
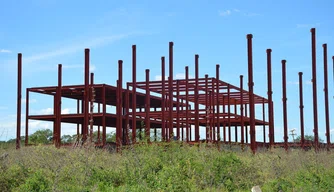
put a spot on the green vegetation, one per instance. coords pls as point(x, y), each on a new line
point(162, 167)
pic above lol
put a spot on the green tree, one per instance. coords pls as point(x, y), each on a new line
point(308, 138)
point(43, 136)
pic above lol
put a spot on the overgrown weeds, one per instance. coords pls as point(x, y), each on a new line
point(172, 167)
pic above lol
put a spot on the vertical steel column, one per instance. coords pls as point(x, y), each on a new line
point(147, 106)
point(314, 81)
point(229, 114)
point(217, 101)
point(264, 119)
point(246, 127)
point(170, 89)
point(235, 126)
point(119, 103)
point(224, 124)
point(242, 111)
point(163, 100)
point(251, 94)
point(134, 95)
point(104, 111)
point(92, 99)
point(86, 95)
point(196, 100)
point(301, 109)
point(78, 111)
point(27, 118)
point(98, 127)
point(58, 99)
point(207, 109)
point(270, 100)
point(326, 97)
point(178, 110)
point(214, 133)
point(182, 125)
point(285, 115)
point(19, 99)
point(127, 108)
point(188, 137)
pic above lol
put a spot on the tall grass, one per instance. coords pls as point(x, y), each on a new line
point(173, 167)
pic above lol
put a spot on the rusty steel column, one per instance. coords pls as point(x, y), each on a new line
point(163, 100)
point(229, 113)
point(242, 112)
point(86, 95)
point(314, 81)
point(58, 99)
point(246, 127)
point(170, 89)
point(98, 127)
point(187, 105)
point(134, 95)
point(127, 108)
point(251, 94)
point(214, 134)
point(92, 99)
point(218, 102)
point(119, 103)
point(264, 119)
point(196, 99)
point(326, 97)
point(301, 109)
point(284, 99)
point(78, 111)
point(207, 109)
point(224, 124)
point(178, 110)
point(104, 111)
point(147, 106)
point(235, 126)
point(270, 100)
point(27, 119)
point(19, 99)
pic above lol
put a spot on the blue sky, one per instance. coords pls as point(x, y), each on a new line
point(48, 32)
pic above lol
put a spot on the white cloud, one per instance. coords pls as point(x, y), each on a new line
point(5, 51)
point(94, 42)
point(332, 130)
point(293, 82)
point(225, 13)
point(49, 111)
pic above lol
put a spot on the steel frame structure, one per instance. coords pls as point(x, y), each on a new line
point(179, 107)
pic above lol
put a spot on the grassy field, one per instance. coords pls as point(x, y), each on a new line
point(175, 167)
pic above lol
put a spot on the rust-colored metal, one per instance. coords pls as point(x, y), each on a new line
point(163, 100)
point(251, 92)
point(264, 118)
point(242, 113)
point(170, 91)
point(134, 103)
point(178, 111)
point(86, 96)
point(314, 82)
point(270, 100)
point(188, 133)
point(217, 102)
point(326, 97)
point(27, 118)
point(19, 99)
point(119, 128)
point(58, 101)
point(301, 110)
point(147, 107)
point(284, 99)
point(104, 111)
point(196, 99)
point(92, 96)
